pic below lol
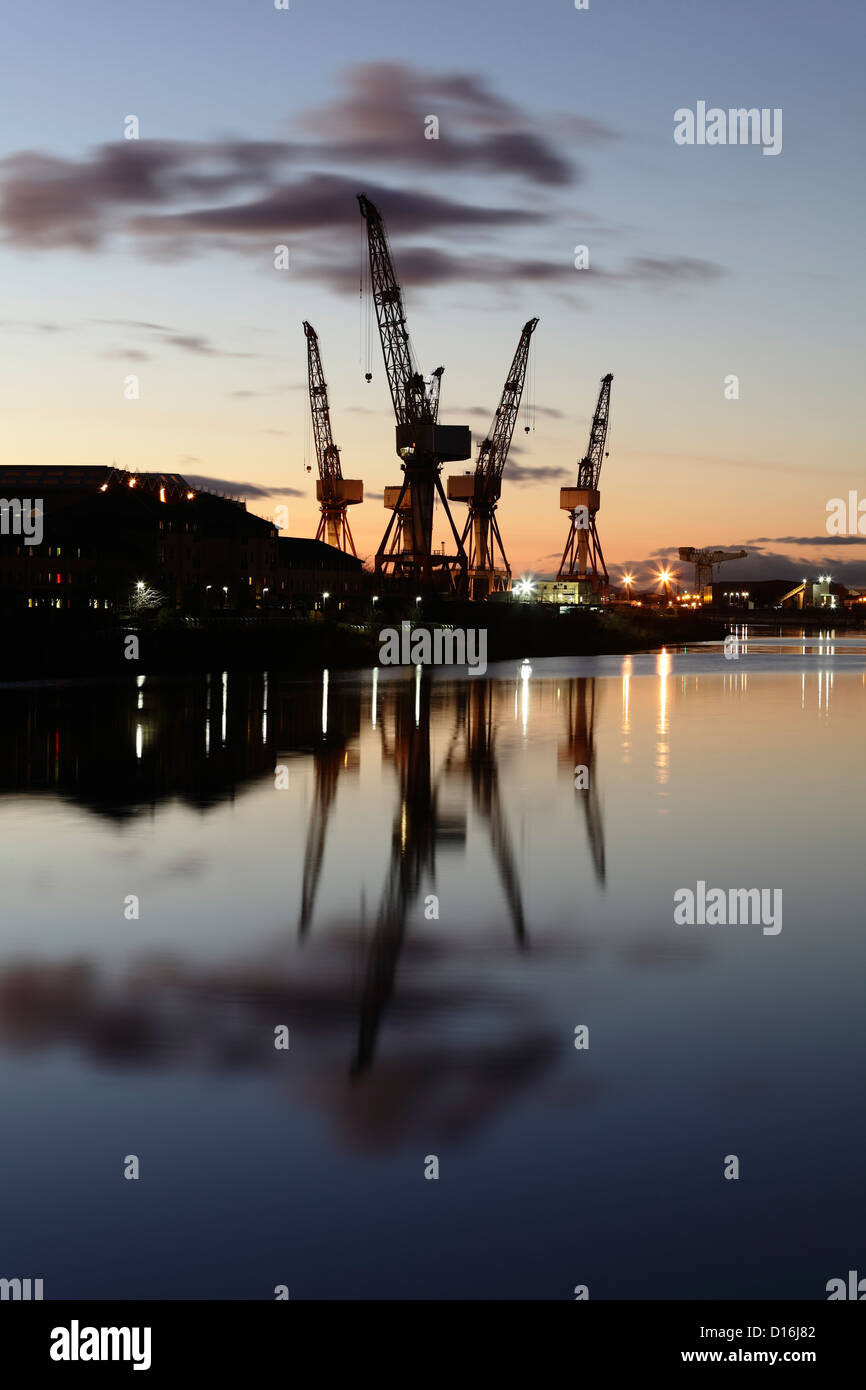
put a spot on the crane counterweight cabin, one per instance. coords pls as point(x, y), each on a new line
point(582, 560)
point(489, 570)
point(334, 493)
point(406, 549)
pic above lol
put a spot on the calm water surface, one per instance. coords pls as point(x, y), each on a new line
point(313, 905)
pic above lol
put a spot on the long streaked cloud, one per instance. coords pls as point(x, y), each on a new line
point(178, 198)
point(241, 489)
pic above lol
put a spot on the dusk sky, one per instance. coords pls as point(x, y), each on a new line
point(258, 127)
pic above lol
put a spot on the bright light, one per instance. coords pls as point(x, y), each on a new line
point(190, 496)
point(225, 588)
point(628, 579)
point(140, 585)
point(418, 599)
point(326, 595)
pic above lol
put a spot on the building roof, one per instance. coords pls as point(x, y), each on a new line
point(304, 553)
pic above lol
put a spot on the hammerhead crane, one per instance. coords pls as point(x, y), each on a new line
point(582, 559)
point(422, 443)
point(483, 489)
point(705, 562)
point(334, 493)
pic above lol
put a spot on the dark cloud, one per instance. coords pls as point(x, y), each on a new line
point(180, 198)
point(241, 489)
point(824, 540)
point(523, 473)
point(382, 114)
point(324, 202)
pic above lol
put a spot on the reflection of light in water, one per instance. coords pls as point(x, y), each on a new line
point(140, 700)
point(265, 693)
point(417, 695)
point(139, 740)
point(325, 701)
point(207, 737)
point(265, 727)
point(139, 680)
point(207, 695)
point(627, 667)
point(803, 691)
point(225, 703)
point(375, 692)
point(525, 673)
point(663, 669)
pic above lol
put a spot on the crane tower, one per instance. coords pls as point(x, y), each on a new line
point(704, 562)
point(334, 493)
point(422, 443)
point(582, 559)
point(489, 570)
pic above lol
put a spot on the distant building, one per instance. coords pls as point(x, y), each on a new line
point(562, 591)
point(779, 593)
point(106, 536)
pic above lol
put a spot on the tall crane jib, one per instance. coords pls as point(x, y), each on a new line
point(582, 564)
point(489, 570)
point(423, 445)
point(334, 493)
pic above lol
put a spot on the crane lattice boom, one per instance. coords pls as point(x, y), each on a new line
point(493, 451)
point(327, 453)
point(589, 468)
point(412, 404)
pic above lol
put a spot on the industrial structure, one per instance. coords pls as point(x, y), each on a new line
point(406, 550)
point(582, 571)
point(488, 569)
point(334, 493)
point(705, 562)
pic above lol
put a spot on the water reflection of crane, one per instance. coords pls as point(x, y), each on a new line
point(418, 827)
point(582, 696)
point(331, 757)
point(475, 721)
point(421, 825)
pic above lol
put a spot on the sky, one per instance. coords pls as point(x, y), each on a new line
point(154, 257)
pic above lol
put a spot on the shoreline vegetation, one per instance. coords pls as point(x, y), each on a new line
point(38, 646)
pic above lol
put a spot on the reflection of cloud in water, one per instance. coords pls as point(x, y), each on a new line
point(464, 1053)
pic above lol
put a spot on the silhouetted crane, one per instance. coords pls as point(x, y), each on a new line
point(705, 561)
point(334, 493)
point(483, 489)
point(421, 442)
point(582, 559)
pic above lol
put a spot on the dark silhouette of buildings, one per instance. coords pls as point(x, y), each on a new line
point(109, 537)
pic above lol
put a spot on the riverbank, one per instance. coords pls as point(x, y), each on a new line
point(41, 646)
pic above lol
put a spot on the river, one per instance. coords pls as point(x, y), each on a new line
point(452, 897)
